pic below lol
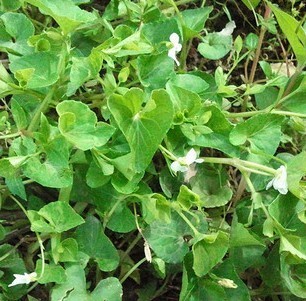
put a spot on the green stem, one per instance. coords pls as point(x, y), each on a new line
point(187, 221)
point(13, 135)
point(184, 54)
point(167, 153)
point(131, 246)
point(139, 263)
point(108, 216)
point(11, 250)
point(41, 109)
point(41, 246)
point(64, 194)
point(292, 82)
point(48, 98)
point(265, 111)
point(251, 166)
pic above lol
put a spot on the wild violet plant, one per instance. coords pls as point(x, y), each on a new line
point(142, 140)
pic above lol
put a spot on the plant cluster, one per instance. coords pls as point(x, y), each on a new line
point(148, 153)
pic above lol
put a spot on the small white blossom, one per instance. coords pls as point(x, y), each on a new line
point(177, 47)
point(147, 252)
point(228, 29)
point(182, 163)
point(279, 182)
point(228, 283)
point(23, 279)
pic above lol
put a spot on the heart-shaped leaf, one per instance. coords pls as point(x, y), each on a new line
point(144, 127)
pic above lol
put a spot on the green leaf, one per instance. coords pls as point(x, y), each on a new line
point(294, 245)
point(93, 242)
point(221, 129)
point(266, 98)
point(206, 253)
point(247, 256)
point(257, 130)
point(188, 198)
point(19, 115)
point(296, 170)
point(227, 270)
point(12, 178)
point(44, 67)
point(16, 186)
point(114, 210)
point(194, 20)
point(284, 210)
point(251, 4)
point(17, 28)
point(160, 31)
point(143, 127)
point(189, 82)
point(293, 274)
point(68, 250)
point(240, 236)
point(155, 207)
point(84, 69)
point(66, 14)
point(211, 186)
point(154, 70)
point(185, 102)
point(215, 46)
point(167, 239)
point(52, 273)
point(78, 124)
point(96, 176)
point(293, 32)
point(203, 289)
point(74, 288)
point(108, 289)
point(52, 168)
point(56, 217)
point(9, 5)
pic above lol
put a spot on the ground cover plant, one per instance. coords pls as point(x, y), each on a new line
point(152, 150)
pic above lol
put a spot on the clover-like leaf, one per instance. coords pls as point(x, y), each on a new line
point(56, 217)
point(207, 253)
point(52, 168)
point(36, 70)
point(15, 29)
point(143, 127)
point(68, 15)
point(167, 239)
point(257, 131)
point(78, 124)
point(93, 242)
point(215, 46)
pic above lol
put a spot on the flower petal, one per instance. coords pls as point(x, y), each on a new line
point(174, 38)
point(172, 54)
point(147, 252)
point(191, 156)
point(269, 185)
point(175, 166)
point(279, 182)
point(23, 279)
point(228, 29)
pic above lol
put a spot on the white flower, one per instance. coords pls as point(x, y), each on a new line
point(147, 251)
point(23, 279)
point(228, 283)
point(177, 47)
point(279, 182)
point(228, 29)
point(182, 163)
